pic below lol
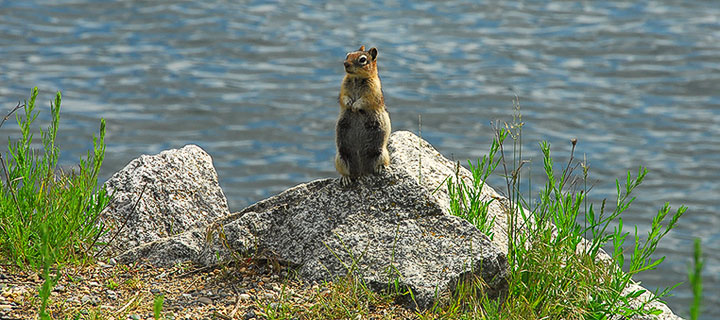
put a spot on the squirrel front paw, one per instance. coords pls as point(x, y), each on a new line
point(345, 181)
point(357, 105)
point(346, 102)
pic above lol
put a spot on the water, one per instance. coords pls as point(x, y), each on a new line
point(255, 85)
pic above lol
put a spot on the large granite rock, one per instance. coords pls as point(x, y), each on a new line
point(393, 225)
point(181, 192)
point(381, 228)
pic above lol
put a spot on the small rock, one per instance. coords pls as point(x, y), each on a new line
point(155, 291)
point(134, 317)
point(204, 300)
point(59, 288)
point(112, 261)
point(186, 296)
point(244, 297)
point(249, 314)
point(104, 265)
point(93, 284)
point(112, 295)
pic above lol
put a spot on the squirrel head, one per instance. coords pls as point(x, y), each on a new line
point(361, 63)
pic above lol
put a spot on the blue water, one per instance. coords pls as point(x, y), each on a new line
point(255, 85)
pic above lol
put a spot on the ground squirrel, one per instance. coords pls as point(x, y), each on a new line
point(363, 127)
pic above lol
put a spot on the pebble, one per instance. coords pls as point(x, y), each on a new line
point(250, 314)
point(93, 284)
point(90, 299)
point(59, 288)
point(204, 300)
point(187, 296)
point(112, 295)
point(134, 317)
point(244, 297)
point(155, 291)
point(112, 261)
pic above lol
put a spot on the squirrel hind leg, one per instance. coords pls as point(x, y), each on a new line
point(343, 168)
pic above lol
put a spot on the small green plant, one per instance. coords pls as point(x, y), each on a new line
point(695, 278)
point(48, 256)
point(467, 200)
point(158, 306)
point(554, 271)
point(47, 216)
point(111, 284)
point(37, 195)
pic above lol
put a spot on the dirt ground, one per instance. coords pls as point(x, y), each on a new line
point(245, 290)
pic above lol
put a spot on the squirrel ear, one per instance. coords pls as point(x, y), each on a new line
point(373, 53)
point(362, 48)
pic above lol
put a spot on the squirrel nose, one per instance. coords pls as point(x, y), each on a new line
point(346, 64)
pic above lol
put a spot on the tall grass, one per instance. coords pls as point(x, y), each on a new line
point(48, 215)
point(555, 273)
point(695, 278)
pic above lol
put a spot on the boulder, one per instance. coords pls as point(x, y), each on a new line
point(381, 229)
point(158, 196)
point(392, 226)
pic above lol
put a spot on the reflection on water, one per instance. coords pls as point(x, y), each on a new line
point(255, 85)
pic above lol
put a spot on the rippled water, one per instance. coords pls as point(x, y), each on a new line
point(255, 85)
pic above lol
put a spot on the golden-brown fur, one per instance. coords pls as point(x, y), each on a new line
point(363, 127)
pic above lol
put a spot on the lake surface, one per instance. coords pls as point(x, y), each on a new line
point(255, 84)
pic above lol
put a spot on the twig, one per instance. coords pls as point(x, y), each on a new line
point(18, 106)
point(237, 302)
point(12, 191)
point(221, 316)
point(133, 299)
point(127, 218)
point(2, 161)
point(198, 270)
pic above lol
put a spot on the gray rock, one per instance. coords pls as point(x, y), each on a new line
point(396, 221)
point(382, 228)
point(90, 299)
point(250, 314)
point(181, 192)
point(204, 300)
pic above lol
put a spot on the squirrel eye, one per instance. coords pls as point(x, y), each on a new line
point(362, 59)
